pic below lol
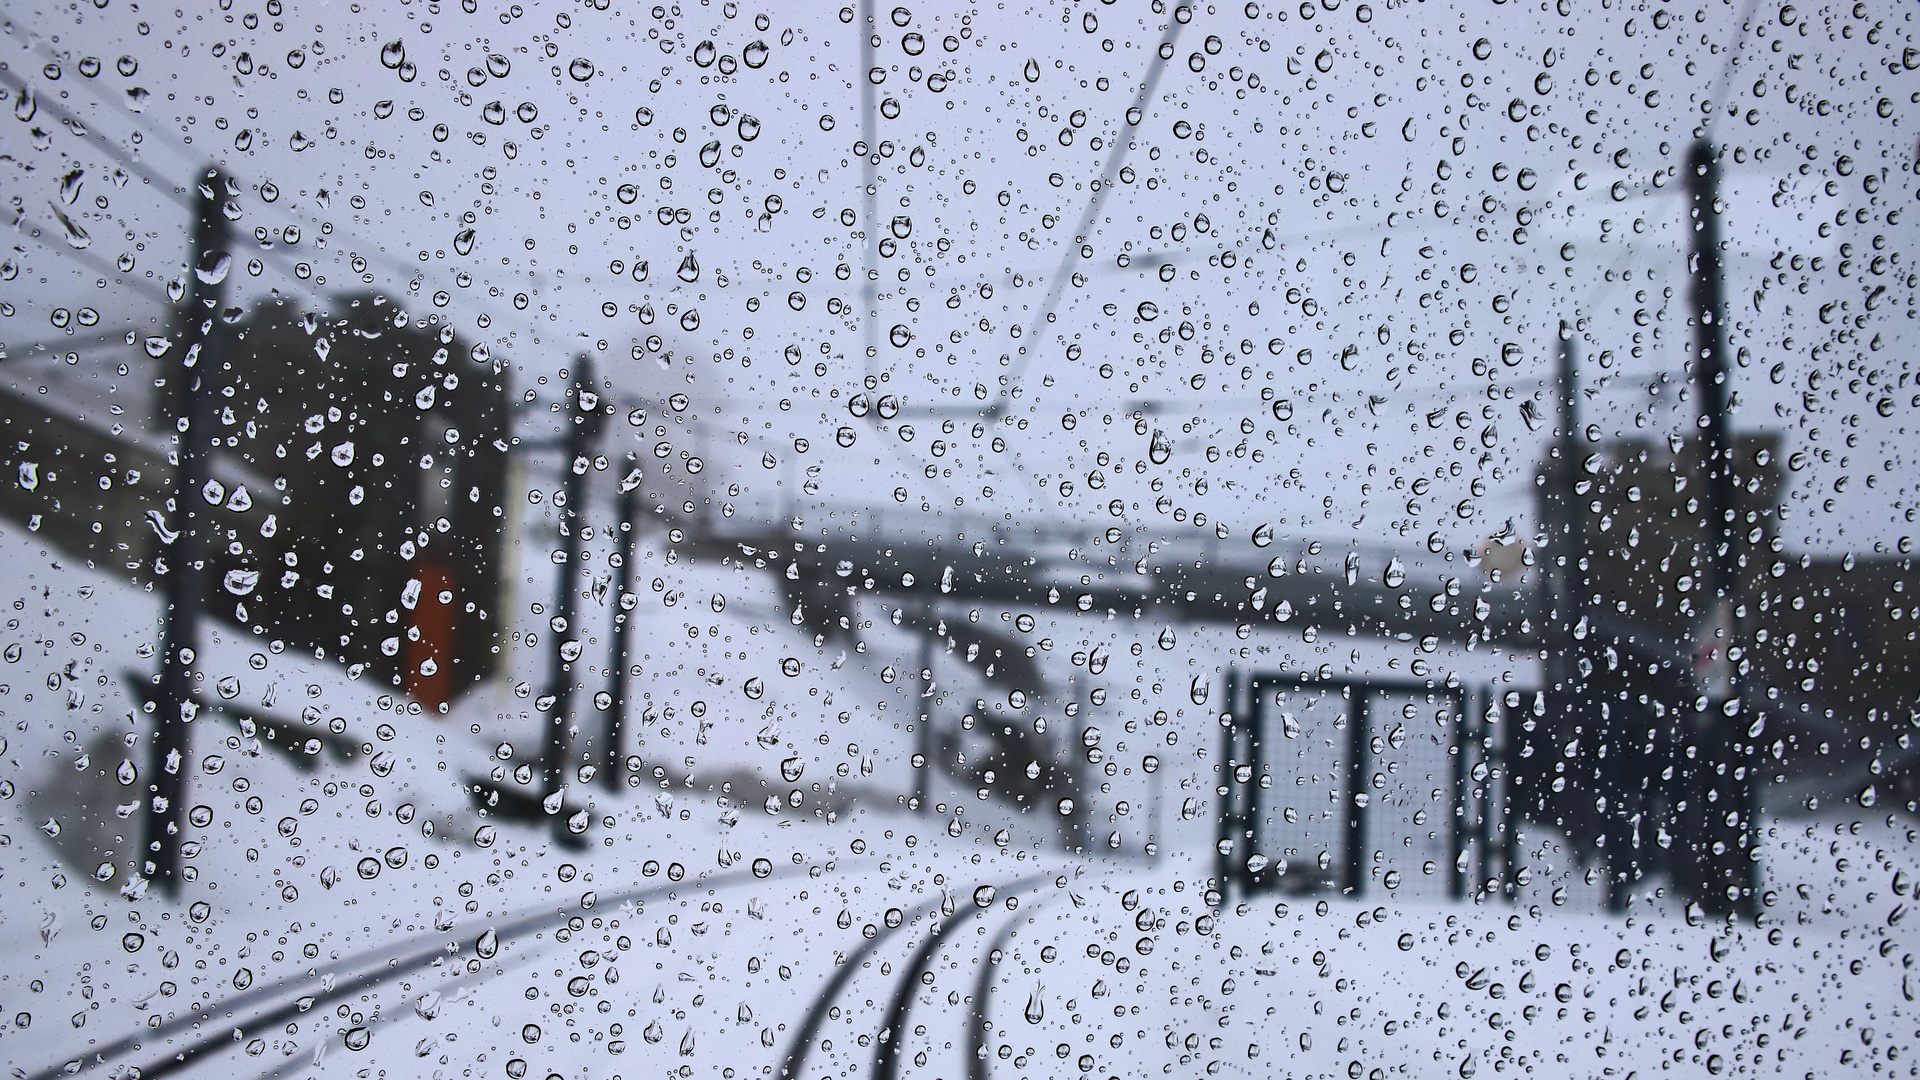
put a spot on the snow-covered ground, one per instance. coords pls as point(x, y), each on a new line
point(328, 931)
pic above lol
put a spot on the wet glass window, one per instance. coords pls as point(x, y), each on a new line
point(1105, 539)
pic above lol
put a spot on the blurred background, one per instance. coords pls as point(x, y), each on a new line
point(1452, 457)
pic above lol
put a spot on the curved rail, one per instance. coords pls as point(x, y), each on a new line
point(804, 1039)
point(886, 1055)
point(977, 1064)
point(373, 968)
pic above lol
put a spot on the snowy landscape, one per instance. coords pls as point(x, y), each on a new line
point(1097, 539)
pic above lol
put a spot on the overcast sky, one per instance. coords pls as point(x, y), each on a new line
point(1402, 201)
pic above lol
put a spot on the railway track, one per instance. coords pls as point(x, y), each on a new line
point(208, 1039)
point(338, 981)
point(938, 929)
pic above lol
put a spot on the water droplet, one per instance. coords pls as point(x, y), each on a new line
point(1160, 447)
point(214, 267)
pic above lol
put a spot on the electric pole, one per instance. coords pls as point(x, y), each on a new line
point(583, 425)
point(199, 348)
point(1566, 547)
point(1723, 784)
point(624, 602)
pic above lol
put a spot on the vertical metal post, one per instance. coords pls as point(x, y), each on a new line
point(1723, 730)
point(923, 735)
point(1568, 447)
point(1253, 727)
point(1508, 824)
point(583, 425)
point(200, 346)
point(1568, 542)
point(1457, 839)
point(1710, 366)
point(1155, 822)
point(1483, 810)
point(1357, 765)
point(1229, 841)
point(1566, 551)
point(622, 634)
point(869, 190)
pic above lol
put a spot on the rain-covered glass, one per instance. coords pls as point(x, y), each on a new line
point(594, 538)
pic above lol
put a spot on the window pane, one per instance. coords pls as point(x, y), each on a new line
point(1113, 539)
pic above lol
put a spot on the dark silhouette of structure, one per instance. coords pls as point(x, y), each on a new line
point(196, 364)
point(332, 482)
point(386, 448)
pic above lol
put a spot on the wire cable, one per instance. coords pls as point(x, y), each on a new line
point(1057, 287)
